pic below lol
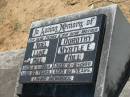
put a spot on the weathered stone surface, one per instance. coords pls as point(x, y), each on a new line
point(9, 67)
point(126, 90)
point(7, 82)
point(11, 59)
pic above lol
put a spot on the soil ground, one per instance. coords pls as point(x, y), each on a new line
point(16, 16)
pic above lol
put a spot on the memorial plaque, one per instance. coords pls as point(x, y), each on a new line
point(87, 51)
point(64, 52)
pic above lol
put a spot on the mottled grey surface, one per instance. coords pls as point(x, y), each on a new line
point(8, 76)
point(8, 81)
point(126, 90)
point(11, 59)
point(9, 67)
point(117, 60)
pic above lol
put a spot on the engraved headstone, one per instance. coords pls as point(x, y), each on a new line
point(64, 52)
point(79, 55)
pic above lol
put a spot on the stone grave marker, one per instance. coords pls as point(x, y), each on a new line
point(82, 54)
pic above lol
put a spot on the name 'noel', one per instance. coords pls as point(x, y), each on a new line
point(67, 26)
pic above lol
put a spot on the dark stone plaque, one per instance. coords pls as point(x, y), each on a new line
point(65, 52)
